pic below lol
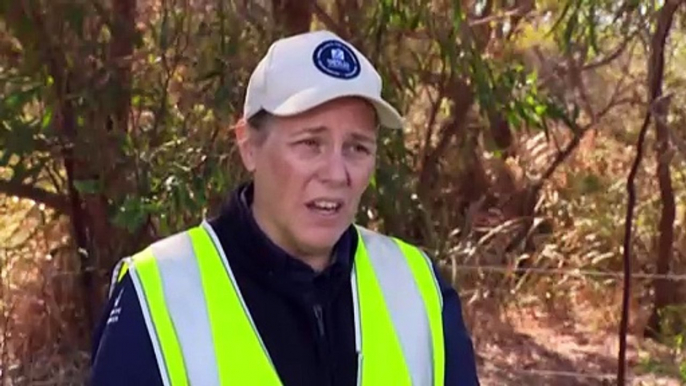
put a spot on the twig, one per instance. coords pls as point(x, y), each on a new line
point(580, 131)
point(432, 120)
point(612, 56)
point(517, 12)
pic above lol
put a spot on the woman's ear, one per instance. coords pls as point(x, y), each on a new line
point(245, 145)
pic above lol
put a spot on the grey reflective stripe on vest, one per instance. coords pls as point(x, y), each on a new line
point(182, 286)
point(114, 278)
point(183, 290)
point(405, 304)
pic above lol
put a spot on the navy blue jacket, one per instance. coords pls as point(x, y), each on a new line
point(281, 293)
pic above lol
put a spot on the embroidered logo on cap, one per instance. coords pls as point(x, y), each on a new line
point(336, 59)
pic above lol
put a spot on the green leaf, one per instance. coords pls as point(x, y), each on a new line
point(530, 100)
point(540, 109)
point(372, 181)
point(396, 20)
point(87, 186)
point(130, 214)
point(513, 119)
point(47, 119)
point(17, 99)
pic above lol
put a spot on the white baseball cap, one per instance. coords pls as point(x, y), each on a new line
point(303, 71)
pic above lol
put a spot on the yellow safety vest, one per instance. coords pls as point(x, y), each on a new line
point(202, 332)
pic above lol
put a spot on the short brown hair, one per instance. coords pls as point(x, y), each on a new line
point(259, 125)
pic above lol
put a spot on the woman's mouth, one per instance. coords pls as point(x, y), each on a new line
point(325, 207)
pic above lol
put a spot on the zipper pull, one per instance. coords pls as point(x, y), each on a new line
point(319, 314)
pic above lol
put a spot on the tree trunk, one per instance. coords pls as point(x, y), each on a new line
point(121, 49)
point(655, 78)
point(115, 179)
point(96, 240)
point(663, 294)
point(294, 16)
point(463, 99)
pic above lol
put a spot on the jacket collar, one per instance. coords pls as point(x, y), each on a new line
point(236, 227)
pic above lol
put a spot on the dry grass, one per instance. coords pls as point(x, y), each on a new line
point(43, 339)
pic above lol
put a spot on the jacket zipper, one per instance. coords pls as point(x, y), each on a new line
point(319, 315)
point(323, 346)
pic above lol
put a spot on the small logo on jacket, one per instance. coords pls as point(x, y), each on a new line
point(336, 59)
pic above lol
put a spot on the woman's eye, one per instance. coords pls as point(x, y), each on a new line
point(309, 142)
point(362, 149)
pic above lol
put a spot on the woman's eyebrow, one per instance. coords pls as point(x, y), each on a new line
point(364, 138)
point(311, 130)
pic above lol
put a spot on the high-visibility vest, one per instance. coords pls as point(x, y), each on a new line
point(202, 332)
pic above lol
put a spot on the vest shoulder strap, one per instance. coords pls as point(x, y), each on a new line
point(195, 314)
point(413, 299)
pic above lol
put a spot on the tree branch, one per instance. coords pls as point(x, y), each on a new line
point(328, 21)
point(610, 57)
point(580, 131)
point(463, 98)
point(500, 17)
point(574, 72)
point(53, 200)
point(435, 106)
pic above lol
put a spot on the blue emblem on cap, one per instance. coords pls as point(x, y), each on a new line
point(336, 59)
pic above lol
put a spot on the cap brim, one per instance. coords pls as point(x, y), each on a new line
point(313, 97)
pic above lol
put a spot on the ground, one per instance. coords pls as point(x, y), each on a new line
point(527, 349)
